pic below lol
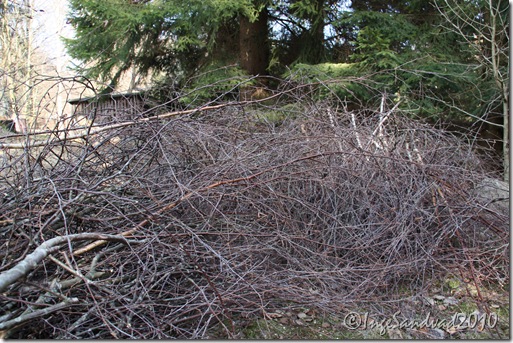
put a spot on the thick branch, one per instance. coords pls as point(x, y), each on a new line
point(31, 261)
point(37, 313)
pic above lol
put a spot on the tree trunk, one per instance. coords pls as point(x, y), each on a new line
point(505, 141)
point(254, 44)
point(497, 32)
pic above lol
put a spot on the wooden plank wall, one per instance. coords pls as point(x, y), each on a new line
point(111, 110)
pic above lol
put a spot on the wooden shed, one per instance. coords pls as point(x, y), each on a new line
point(110, 108)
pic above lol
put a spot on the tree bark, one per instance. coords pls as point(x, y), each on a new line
point(505, 141)
point(31, 261)
point(254, 44)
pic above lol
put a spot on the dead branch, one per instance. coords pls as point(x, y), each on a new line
point(7, 325)
point(32, 260)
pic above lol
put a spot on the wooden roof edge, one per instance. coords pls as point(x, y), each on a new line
point(76, 101)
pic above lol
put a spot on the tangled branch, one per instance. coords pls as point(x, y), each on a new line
point(239, 210)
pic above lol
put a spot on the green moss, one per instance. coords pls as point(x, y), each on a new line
point(323, 71)
point(215, 82)
point(453, 283)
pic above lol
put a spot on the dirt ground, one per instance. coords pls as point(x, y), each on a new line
point(448, 312)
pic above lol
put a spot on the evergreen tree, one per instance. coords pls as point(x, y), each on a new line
point(175, 36)
point(171, 36)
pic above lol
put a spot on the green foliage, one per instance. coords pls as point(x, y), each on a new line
point(374, 50)
point(303, 30)
point(107, 33)
point(330, 78)
point(402, 50)
point(428, 84)
point(424, 86)
point(381, 39)
point(164, 35)
point(215, 82)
